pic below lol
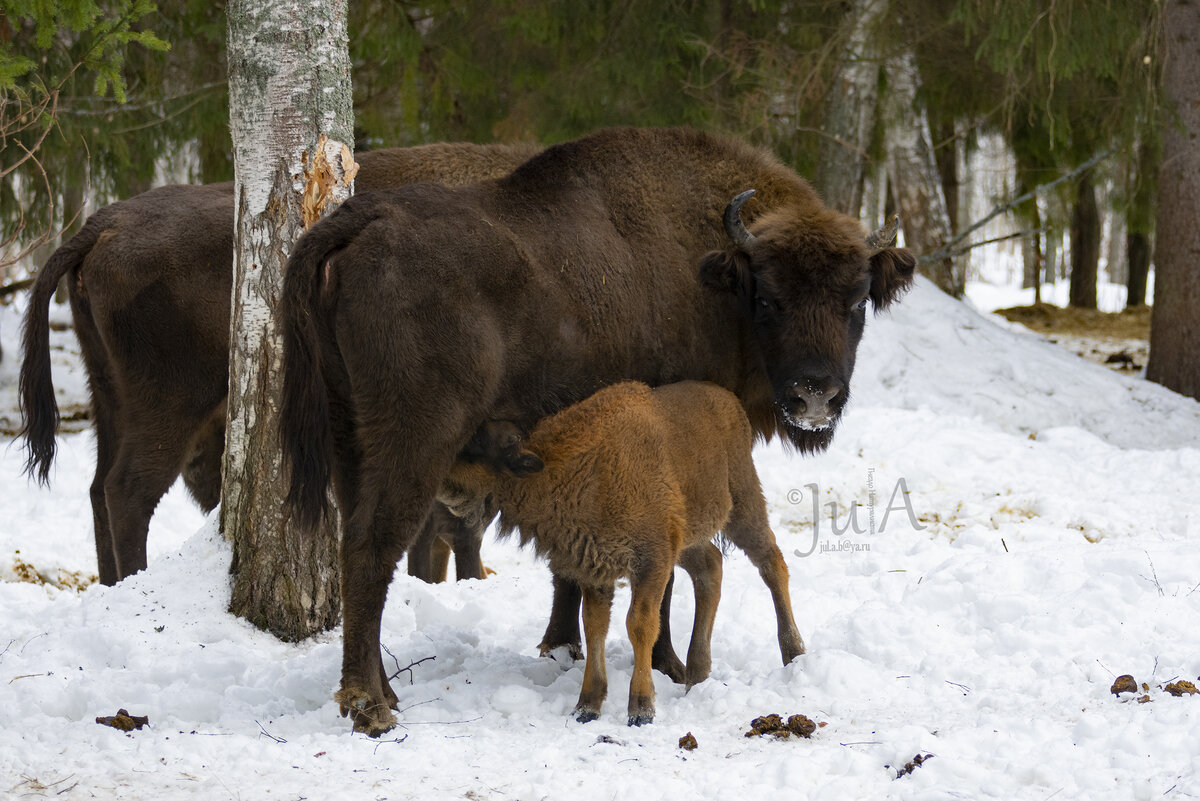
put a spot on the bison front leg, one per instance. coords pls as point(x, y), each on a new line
point(663, 658)
point(563, 629)
point(597, 608)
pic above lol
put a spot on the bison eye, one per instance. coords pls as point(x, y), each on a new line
point(862, 305)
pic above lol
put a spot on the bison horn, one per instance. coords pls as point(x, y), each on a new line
point(733, 220)
point(885, 236)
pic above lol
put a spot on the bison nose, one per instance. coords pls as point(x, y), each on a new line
point(810, 397)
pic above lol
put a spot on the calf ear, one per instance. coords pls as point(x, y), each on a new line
point(891, 276)
point(725, 270)
point(526, 463)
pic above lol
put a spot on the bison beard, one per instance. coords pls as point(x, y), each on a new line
point(413, 315)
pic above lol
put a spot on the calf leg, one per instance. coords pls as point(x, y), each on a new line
point(597, 608)
point(703, 564)
point(563, 629)
point(748, 529)
point(642, 625)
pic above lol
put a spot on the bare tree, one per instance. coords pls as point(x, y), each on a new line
point(913, 171)
point(292, 124)
point(1175, 321)
point(850, 110)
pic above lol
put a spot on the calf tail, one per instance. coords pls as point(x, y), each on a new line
point(305, 427)
point(39, 409)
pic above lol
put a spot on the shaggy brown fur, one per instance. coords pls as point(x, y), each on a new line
point(149, 281)
point(634, 482)
point(412, 316)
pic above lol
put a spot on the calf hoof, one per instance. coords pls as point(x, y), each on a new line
point(790, 648)
point(584, 715)
point(367, 716)
point(641, 710)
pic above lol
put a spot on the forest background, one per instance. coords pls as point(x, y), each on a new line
point(881, 103)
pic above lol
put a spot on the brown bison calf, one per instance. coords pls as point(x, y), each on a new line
point(631, 482)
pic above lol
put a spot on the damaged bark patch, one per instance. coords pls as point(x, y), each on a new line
point(323, 177)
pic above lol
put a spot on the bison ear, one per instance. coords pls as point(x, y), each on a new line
point(725, 270)
point(891, 276)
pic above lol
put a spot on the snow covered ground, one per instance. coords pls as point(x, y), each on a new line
point(1050, 548)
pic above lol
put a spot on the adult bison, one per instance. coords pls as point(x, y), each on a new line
point(412, 316)
point(149, 284)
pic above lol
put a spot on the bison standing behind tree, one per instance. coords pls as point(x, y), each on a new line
point(412, 316)
point(628, 483)
point(149, 279)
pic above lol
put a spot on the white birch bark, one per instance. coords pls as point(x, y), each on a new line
point(850, 110)
point(913, 171)
point(292, 121)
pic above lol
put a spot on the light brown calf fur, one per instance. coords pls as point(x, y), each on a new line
point(634, 482)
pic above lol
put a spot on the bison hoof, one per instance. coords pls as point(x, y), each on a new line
point(586, 715)
point(574, 652)
point(671, 667)
point(641, 719)
point(368, 717)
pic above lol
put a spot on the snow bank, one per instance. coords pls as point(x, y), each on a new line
point(1040, 544)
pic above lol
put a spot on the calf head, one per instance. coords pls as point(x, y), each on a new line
point(500, 445)
point(496, 448)
point(803, 282)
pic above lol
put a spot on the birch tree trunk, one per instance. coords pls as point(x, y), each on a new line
point(1175, 321)
point(914, 175)
point(850, 111)
point(292, 123)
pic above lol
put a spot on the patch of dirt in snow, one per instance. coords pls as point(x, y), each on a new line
point(1117, 340)
point(56, 577)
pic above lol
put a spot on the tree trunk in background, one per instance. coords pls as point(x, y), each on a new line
point(914, 175)
point(1085, 244)
point(1031, 248)
point(292, 123)
point(1137, 256)
point(1139, 224)
point(849, 111)
point(945, 155)
point(1175, 321)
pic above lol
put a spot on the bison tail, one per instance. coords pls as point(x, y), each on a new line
point(305, 427)
point(39, 409)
